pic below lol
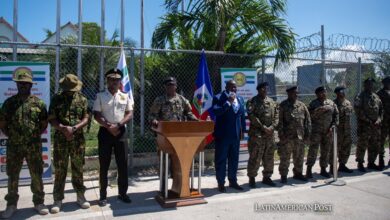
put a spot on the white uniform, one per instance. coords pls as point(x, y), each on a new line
point(112, 107)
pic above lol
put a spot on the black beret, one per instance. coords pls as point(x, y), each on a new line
point(320, 89)
point(169, 80)
point(114, 73)
point(261, 85)
point(386, 79)
point(369, 79)
point(291, 88)
point(339, 89)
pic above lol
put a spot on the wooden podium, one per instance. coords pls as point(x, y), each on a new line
point(181, 141)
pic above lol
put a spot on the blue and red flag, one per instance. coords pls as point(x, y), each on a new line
point(203, 95)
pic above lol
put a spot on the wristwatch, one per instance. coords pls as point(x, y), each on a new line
point(74, 128)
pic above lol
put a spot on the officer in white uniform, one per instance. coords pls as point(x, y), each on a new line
point(112, 110)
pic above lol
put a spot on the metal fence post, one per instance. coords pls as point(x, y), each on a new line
point(262, 69)
point(80, 41)
point(15, 32)
point(359, 75)
point(142, 77)
point(102, 21)
point(58, 27)
point(131, 122)
point(323, 73)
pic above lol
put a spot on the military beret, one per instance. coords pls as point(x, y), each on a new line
point(369, 79)
point(320, 89)
point(261, 85)
point(114, 73)
point(386, 79)
point(339, 89)
point(170, 80)
point(291, 88)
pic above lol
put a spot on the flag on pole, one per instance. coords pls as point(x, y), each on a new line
point(203, 95)
point(125, 83)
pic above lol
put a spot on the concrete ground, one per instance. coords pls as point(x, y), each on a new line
point(365, 196)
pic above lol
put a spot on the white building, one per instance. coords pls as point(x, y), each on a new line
point(67, 30)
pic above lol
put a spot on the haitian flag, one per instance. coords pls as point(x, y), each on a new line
point(203, 95)
point(125, 83)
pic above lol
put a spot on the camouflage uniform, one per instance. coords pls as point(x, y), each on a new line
point(262, 114)
point(384, 95)
point(321, 123)
point(294, 128)
point(344, 138)
point(176, 108)
point(24, 126)
point(68, 108)
point(368, 108)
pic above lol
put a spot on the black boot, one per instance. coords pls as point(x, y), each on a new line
point(221, 188)
point(373, 166)
point(299, 176)
point(252, 182)
point(345, 169)
point(268, 181)
point(361, 167)
point(283, 179)
point(309, 174)
point(324, 173)
point(381, 162)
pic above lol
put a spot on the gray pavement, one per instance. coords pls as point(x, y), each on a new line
point(366, 196)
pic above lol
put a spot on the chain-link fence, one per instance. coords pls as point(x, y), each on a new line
point(158, 64)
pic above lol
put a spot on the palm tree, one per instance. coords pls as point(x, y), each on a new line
point(235, 26)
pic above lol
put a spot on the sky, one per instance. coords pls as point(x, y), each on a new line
point(363, 18)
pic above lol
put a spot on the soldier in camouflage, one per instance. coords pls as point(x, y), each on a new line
point(344, 138)
point(324, 114)
point(263, 116)
point(68, 115)
point(294, 130)
point(23, 120)
point(384, 95)
point(170, 107)
point(369, 112)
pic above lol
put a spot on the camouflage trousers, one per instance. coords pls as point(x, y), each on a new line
point(15, 156)
point(61, 153)
point(344, 142)
point(368, 139)
point(295, 147)
point(261, 150)
point(324, 141)
point(385, 132)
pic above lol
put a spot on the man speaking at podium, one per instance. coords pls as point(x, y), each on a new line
point(229, 128)
point(170, 106)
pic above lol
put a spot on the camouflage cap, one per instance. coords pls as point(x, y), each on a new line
point(70, 83)
point(23, 74)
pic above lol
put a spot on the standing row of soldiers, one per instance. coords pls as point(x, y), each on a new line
point(23, 118)
point(298, 125)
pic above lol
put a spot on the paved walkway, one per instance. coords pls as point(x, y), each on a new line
point(366, 196)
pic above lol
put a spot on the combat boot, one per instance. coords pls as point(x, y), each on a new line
point(268, 181)
point(283, 179)
point(381, 162)
point(361, 167)
point(252, 182)
point(299, 176)
point(83, 203)
point(309, 174)
point(373, 166)
point(345, 169)
point(9, 211)
point(324, 173)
